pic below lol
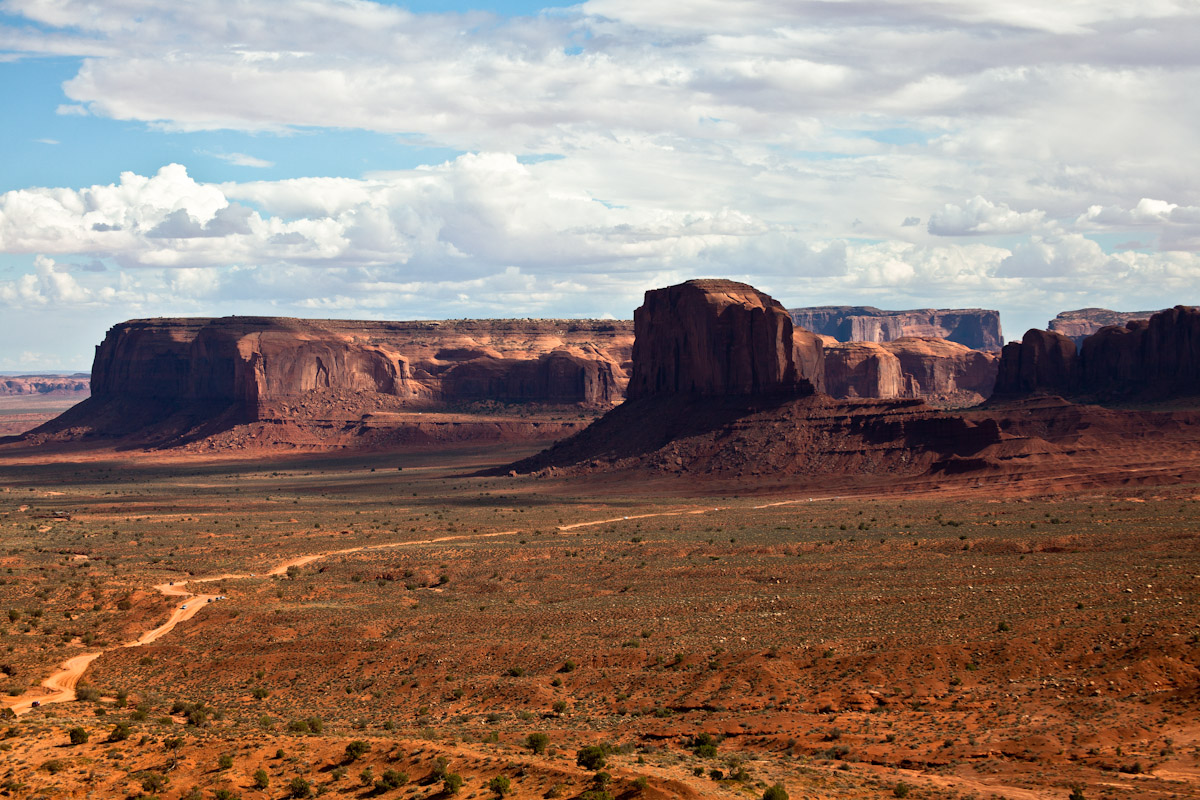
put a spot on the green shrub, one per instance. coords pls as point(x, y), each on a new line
point(261, 779)
point(500, 785)
point(591, 757)
point(356, 750)
point(299, 787)
point(776, 792)
point(452, 783)
point(391, 779)
point(153, 781)
point(704, 745)
point(78, 736)
point(537, 742)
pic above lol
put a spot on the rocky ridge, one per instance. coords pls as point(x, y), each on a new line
point(1144, 360)
point(936, 370)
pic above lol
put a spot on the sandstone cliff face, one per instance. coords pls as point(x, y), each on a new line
point(976, 328)
point(1082, 323)
point(1158, 356)
point(1041, 362)
point(862, 369)
point(261, 364)
point(1145, 359)
point(716, 338)
point(910, 367)
point(936, 368)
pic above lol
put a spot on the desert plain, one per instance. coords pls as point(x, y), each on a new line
point(380, 621)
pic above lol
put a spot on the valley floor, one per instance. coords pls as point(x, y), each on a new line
point(937, 643)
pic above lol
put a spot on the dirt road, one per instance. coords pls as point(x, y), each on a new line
point(60, 686)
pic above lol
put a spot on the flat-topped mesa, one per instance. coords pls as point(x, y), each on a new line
point(718, 338)
point(44, 385)
point(1079, 324)
point(1150, 359)
point(259, 360)
point(976, 328)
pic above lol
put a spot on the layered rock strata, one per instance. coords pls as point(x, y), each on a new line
point(242, 369)
point(910, 367)
point(731, 431)
point(976, 328)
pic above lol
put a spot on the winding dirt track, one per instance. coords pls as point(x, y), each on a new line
point(60, 686)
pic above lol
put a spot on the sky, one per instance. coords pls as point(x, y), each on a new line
point(432, 160)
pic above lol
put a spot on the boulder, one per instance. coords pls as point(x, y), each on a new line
point(717, 338)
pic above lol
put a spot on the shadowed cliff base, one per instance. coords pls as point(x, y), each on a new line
point(1039, 446)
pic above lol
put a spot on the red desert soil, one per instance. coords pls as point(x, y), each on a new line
point(838, 640)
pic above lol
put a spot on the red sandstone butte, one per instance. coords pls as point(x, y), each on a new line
point(717, 338)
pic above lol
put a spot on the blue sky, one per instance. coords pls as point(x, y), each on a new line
point(427, 160)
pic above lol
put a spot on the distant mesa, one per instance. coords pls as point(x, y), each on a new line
point(1079, 324)
point(45, 385)
point(1143, 360)
point(976, 328)
point(174, 380)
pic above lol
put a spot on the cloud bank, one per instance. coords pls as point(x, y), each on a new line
point(613, 146)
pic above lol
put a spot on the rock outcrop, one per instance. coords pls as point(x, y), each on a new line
point(717, 338)
point(242, 369)
point(935, 370)
point(45, 385)
point(1079, 324)
point(1158, 357)
point(1150, 359)
point(862, 369)
point(1042, 361)
point(976, 328)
